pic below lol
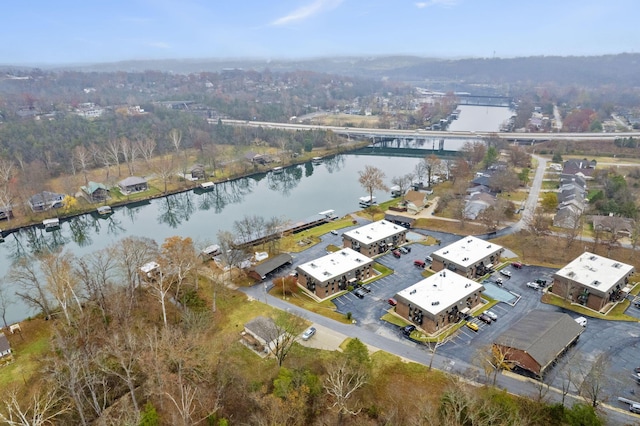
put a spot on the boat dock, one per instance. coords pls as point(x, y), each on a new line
point(51, 224)
point(104, 210)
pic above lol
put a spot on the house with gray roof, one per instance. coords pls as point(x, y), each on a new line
point(261, 270)
point(261, 334)
point(45, 201)
point(534, 342)
point(5, 347)
point(133, 184)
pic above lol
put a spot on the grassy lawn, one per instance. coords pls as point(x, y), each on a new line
point(28, 351)
point(326, 308)
point(617, 314)
point(453, 227)
point(516, 196)
point(549, 184)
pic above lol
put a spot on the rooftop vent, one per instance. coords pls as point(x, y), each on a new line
point(467, 285)
point(469, 240)
point(344, 253)
point(571, 274)
point(617, 265)
point(489, 246)
point(436, 303)
point(596, 283)
point(592, 258)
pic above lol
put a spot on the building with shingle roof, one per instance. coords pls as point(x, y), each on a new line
point(537, 340)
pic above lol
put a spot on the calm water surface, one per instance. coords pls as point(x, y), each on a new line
point(297, 193)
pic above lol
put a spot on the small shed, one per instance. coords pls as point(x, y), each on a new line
point(197, 172)
point(261, 270)
point(133, 184)
point(5, 347)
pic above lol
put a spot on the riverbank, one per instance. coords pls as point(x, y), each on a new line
point(237, 168)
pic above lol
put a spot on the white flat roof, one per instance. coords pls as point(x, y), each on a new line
point(334, 264)
point(596, 272)
point(467, 251)
point(440, 291)
point(375, 231)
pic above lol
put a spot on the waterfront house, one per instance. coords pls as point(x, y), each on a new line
point(415, 201)
point(133, 184)
point(262, 334)
point(197, 172)
point(95, 192)
point(5, 347)
point(46, 200)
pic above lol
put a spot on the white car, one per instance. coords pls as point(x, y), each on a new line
point(309, 332)
point(334, 232)
point(505, 273)
point(582, 321)
point(533, 285)
point(491, 315)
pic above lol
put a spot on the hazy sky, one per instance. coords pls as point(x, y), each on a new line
point(81, 31)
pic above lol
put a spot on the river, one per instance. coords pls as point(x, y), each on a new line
point(298, 193)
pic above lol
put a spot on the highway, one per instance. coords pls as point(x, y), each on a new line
point(428, 134)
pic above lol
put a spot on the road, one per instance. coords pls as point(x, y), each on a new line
point(388, 133)
point(382, 338)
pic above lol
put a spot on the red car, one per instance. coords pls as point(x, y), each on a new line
point(396, 253)
point(516, 265)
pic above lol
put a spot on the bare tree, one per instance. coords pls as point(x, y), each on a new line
point(371, 178)
point(281, 333)
point(112, 155)
point(574, 228)
point(132, 253)
point(146, 146)
point(81, 158)
point(179, 260)
point(230, 254)
point(420, 170)
point(594, 378)
point(45, 405)
point(433, 345)
point(165, 170)
point(5, 301)
point(129, 152)
point(32, 288)
point(343, 379)
point(432, 165)
point(61, 281)
point(539, 223)
point(96, 271)
point(175, 136)
point(403, 183)
point(121, 357)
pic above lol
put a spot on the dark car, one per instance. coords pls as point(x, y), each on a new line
point(359, 293)
point(396, 253)
point(540, 282)
point(408, 329)
point(485, 318)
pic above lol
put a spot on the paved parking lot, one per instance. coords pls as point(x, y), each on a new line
point(620, 340)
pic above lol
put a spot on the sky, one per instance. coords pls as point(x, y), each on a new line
point(39, 32)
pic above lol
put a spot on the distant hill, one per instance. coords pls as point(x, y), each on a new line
point(620, 70)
